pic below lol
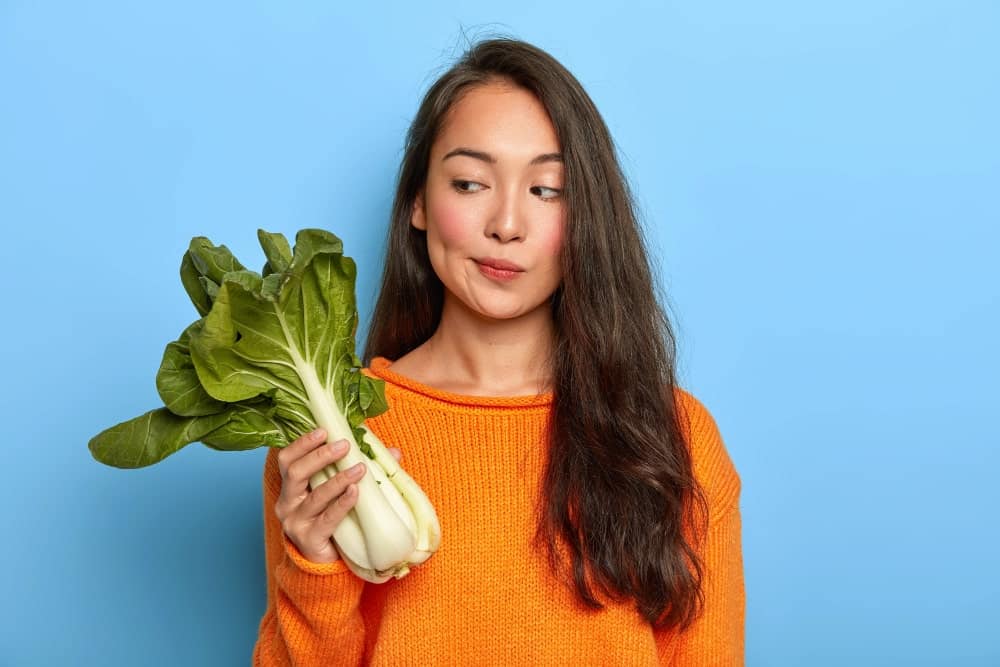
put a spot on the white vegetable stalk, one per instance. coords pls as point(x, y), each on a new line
point(393, 524)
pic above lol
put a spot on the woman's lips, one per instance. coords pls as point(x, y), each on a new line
point(499, 269)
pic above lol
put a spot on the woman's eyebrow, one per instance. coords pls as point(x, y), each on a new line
point(468, 152)
point(548, 157)
point(486, 157)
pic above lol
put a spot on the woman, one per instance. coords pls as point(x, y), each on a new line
point(588, 508)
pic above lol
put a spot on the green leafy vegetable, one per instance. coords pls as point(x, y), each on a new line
point(271, 357)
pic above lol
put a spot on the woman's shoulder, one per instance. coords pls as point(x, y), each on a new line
point(713, 466)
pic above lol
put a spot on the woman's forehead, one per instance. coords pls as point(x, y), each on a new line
point(499, 120)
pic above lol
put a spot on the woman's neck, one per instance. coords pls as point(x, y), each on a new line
point(472, 355)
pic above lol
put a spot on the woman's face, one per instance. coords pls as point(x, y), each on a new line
point(492, 205)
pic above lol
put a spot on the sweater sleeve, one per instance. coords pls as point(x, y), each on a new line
point(312, 615)
point(717, 636)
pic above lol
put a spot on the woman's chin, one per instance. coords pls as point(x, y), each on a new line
point(493, 307)
point(507, 311)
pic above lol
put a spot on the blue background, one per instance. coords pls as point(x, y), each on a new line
point(820, 184)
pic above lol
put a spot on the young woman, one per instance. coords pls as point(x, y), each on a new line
point(589, 510)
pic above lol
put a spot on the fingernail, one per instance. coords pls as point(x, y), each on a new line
point(357, 469)
point(318, 434)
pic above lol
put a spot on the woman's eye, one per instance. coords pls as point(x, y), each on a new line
point(466, 186)
point(544, 192)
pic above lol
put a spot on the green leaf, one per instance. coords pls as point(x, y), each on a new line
point(241, 350)
point(248, 280)
point(150, 438)
point(209, 287)
point(270, 287)
point(265, 354)
point(191, 280)
point(277, 251)
point(289, 340)
point(178, 384)
point(211, 261)
point(359, 437)
point(371, 392)
point(247, 428)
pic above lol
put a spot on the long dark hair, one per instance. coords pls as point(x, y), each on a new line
point(620, 495)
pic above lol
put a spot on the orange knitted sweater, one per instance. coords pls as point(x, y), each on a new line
point(487, 597)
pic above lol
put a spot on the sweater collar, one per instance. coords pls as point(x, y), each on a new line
point(380, 368)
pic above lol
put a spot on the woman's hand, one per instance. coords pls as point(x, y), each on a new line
point(309, 517)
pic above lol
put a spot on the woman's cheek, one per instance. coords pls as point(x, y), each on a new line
point(450, 219)
point(552, 241)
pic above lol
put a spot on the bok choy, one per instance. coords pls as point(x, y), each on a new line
point(272, 356)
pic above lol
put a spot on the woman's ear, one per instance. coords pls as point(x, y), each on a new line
point(417, 216)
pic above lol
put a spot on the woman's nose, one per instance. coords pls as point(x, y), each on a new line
point(506, 222)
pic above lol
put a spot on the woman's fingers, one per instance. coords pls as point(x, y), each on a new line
point(320, 497)
point(312, 455)
point(300, 446)
point(326, 522)
point(313, 522)
point(293, 453)
point(309, 516)
point(396, 453)
point(302, 470)
point(314, 537)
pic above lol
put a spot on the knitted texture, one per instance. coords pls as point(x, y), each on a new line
point(488, 597)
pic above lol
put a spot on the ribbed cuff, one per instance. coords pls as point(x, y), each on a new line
point(309, 567)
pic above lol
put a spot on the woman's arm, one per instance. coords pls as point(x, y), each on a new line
point(312, 615)
point(717, 636)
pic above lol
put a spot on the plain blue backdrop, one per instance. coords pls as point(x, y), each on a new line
point(820, 186)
